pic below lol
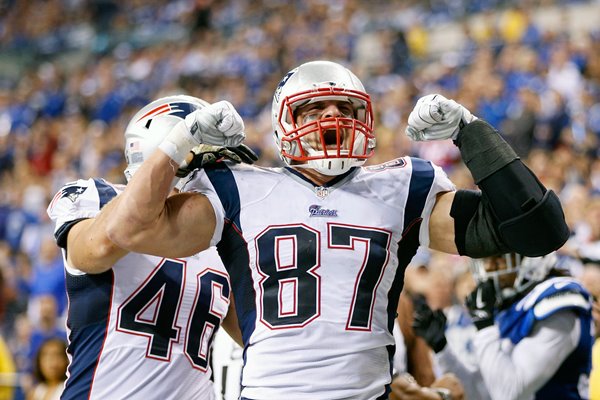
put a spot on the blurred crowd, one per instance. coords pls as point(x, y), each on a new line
point(72, 73)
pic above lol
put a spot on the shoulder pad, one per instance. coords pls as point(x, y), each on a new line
point(68, 195)
point(80, 199)
point(561, 301)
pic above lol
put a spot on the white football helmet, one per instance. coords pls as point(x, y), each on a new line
point(526, 273)
point(151, 124)
point(342, 142)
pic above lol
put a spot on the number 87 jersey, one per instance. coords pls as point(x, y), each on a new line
point(317, 271)
point(144, 328)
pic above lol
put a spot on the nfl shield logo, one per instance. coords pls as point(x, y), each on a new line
point(321, 192)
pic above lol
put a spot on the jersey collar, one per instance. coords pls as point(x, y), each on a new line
point(331, 183)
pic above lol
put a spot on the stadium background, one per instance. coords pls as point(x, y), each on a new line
point(72, 72)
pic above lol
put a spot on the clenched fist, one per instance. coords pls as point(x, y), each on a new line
point(437, 118)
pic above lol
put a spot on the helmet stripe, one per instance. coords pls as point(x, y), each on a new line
point(157, 110)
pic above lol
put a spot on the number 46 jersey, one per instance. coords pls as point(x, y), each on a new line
point(143, 329)
point(317, 271)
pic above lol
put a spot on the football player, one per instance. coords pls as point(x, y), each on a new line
point(316, 250)
point(135, 321)
point(534, 332)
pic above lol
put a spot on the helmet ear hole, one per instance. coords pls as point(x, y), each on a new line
point(147, 126)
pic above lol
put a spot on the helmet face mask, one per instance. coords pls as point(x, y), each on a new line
point(329, 144)
point(512, 274)
point(150, 125)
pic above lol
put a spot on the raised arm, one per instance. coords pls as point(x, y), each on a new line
point(84, 232)
point(513, 211)
point(146, 220)
point(88, 247)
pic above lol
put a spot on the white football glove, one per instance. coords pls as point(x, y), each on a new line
point(437, 118)
point(217, 124)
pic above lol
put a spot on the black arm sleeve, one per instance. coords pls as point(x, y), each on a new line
point(516, 212)
point(475, 232)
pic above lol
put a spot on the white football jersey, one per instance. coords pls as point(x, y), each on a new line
point(144, 328)
point(317, 271)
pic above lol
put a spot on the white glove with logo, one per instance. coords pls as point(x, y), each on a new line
point(437, 118)
point(217, 124)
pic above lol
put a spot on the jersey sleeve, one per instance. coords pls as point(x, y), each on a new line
point(440, 183)
point(76, 201)
point(200, 183)
point(533, 361)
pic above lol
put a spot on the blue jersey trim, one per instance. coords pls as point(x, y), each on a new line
point(105, 191)
point(62, 233)
point(420, 185)
point(225, 185)
point(233, 248)
point(89, 309)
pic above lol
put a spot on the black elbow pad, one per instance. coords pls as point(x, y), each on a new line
point(530, 218)
point(539, 231)
point(515, 210)
point(478, 233)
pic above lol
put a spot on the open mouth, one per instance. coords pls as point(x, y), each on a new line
point(327, 140)
point(330, 138)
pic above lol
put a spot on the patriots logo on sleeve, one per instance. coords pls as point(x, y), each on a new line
point(72, 192)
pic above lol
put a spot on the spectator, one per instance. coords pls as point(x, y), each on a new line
point(8, 376)
point(20, 345)
point(47, 274)
point(50, 370)
point(44, 311)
